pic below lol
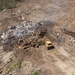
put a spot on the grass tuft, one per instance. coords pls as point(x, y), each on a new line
point(35, 73)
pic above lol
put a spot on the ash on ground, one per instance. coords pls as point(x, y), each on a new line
point(19, 31)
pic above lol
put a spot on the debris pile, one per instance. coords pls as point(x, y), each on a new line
point(34, 40)
point(24, 36)
point(19, 31)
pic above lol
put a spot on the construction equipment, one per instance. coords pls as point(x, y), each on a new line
point(48, 43)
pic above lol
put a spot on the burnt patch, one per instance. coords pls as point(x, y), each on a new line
point(68, 32)
point(10, 44)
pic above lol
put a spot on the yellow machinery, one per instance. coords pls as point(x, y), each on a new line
point(48, 43)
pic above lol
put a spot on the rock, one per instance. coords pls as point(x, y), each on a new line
point(13, 27)
point(4, 36)
point(4, 10)
point(19, 11)
point(58, 34)
point(23, 18)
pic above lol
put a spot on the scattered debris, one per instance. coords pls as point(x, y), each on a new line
point(69, 33)
point(58, 37)
point(72, 40)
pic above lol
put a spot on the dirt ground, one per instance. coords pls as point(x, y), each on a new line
point(57, 15)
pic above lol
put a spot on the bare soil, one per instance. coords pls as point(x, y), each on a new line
point(57, 15)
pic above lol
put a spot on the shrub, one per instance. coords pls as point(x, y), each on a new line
point(35, 73)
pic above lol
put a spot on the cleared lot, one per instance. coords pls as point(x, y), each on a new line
point(60, 13)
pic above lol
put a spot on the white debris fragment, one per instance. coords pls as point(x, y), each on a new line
point(23, 18)
point(4, 10)
point(58, 34)
point(72, 40)
point(19, 11)
point(4, 36)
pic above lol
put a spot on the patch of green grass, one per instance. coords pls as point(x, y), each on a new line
point(8, 4)
point(17, 65)
point(13, 66)
point(35, 73)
